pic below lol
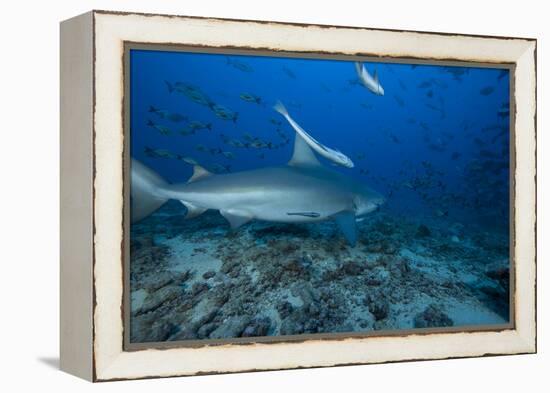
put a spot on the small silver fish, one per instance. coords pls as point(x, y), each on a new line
point(186, 132)
point(201, 147)
point(160, 128)
point(188, 160)
point(197, 125)
point(165, 114)
point(250, 98)
point(487, 90)
point(224, 113)
point(157, 153)
point(289, 72)
point(219, 168)
point(239, 65)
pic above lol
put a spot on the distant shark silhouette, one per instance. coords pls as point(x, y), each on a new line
point(301, 191)
point(370, 82)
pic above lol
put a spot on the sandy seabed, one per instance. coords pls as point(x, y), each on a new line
point(196, 279)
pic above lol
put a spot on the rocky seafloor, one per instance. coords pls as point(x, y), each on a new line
point(195, 279)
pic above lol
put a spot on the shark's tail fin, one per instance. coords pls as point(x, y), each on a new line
point(145, 191)
point(279, 107)
point(359, 68)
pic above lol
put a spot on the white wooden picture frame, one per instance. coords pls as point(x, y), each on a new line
point(92, 195)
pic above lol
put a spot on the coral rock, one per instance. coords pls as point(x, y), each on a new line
point(423, 231)
point(156, 299)
point(432, 316)
point(258, 327)
point(232, 327)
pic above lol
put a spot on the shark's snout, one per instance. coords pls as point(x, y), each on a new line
point(379, 202)
point(368, 203)
point(376, 205)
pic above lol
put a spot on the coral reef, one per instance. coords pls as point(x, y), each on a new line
point(195, 279)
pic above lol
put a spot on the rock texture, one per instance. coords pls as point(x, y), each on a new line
point(195, 280)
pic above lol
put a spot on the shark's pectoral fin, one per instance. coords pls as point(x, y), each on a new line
point(192, 210)
point(346, 221)
point(236, 219)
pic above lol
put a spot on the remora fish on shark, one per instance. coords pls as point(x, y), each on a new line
point(301, 191)
point(370, 82)
point(335, 156)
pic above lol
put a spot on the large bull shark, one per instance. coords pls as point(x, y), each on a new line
point(301, 191)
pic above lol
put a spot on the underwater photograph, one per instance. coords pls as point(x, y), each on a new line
point(275, 196)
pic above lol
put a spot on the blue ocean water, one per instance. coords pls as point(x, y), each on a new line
point(435, 146)
point(436, 143)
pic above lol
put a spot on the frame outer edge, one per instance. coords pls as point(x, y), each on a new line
point(526, 198)
point(76, 229)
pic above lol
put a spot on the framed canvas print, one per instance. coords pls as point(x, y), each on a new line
point(246, 195)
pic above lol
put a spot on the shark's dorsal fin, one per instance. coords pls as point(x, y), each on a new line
point(303, 155)
point(375, 77)
point(198, 173)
